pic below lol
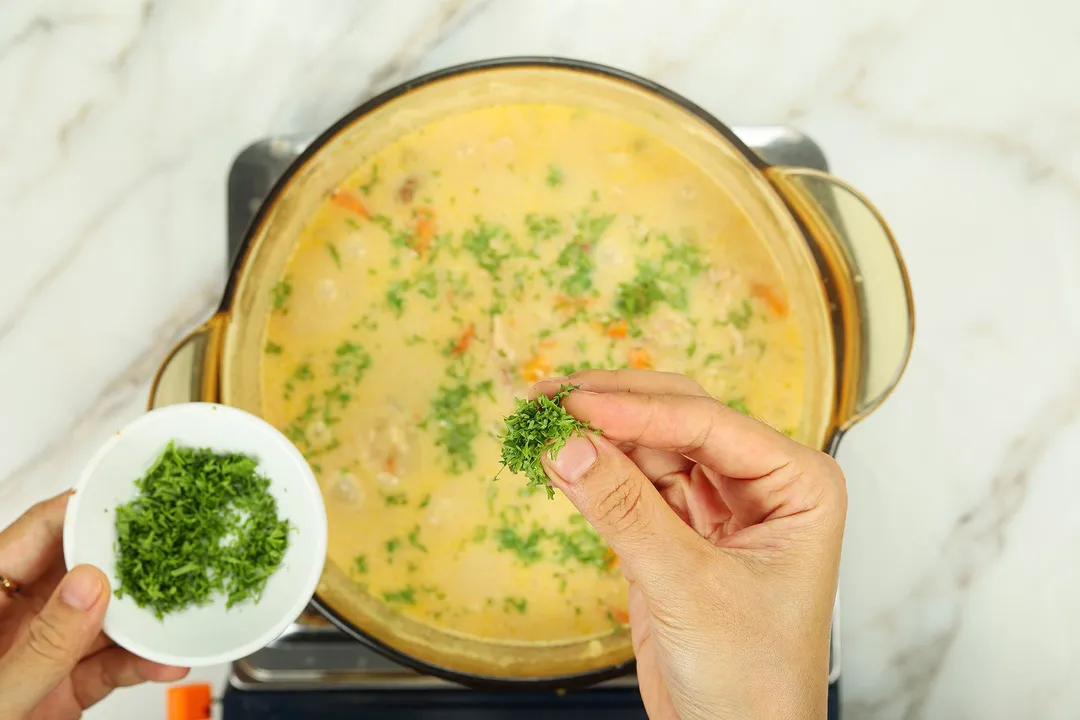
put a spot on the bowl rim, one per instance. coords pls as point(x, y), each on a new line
point(304, 591)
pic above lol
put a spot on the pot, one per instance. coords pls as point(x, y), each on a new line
point(850, 297)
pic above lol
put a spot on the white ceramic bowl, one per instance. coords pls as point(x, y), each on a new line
point(209, 634)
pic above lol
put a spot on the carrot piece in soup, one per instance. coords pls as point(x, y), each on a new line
point(640, 359)
point(617, 328)
point(537, 368)
point(425, 229)
point(464, 341)
point(771, 297)
point(348, 200)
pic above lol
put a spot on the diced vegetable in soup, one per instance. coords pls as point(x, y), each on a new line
point(453, 269)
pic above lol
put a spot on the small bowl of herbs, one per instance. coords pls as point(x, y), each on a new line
point(211, 528)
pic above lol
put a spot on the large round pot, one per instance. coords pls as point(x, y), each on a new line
point(849, 296)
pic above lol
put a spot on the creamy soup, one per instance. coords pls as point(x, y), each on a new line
point(452, 270)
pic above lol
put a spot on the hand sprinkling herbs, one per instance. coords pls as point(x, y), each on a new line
point(203, 523)
point(539, 426)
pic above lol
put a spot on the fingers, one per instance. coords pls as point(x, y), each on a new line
point(54, 641)
point(627, 380)
point(33, 542)
point(100, 674)
point(624, 507)
point(696, 426)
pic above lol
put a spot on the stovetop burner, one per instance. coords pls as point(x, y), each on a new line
point(312, 655)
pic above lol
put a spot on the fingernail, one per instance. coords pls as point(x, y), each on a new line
point(81, 588)
point(575, 459)
point(560, 379)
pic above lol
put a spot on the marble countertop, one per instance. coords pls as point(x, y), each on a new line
point(959, 575)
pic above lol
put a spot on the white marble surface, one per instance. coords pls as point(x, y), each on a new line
point(960, 118)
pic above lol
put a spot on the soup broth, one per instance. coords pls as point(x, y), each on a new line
point(452, 270)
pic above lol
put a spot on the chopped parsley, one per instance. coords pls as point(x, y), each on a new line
point(351, 361)
point(516, 604)
point(526, 547)
point(581, 543)
point(360, 564)
point(395, 296)
point(334, 254)
point(302, 373)
point(272, 348)
point(404, 596)
point(660, 281)
point(554, 176)
point(203, 524)
point(488, 243)
point(373, 180)
point(455, 417)
point(395, 499)
point(542, 227)
point(427, 285)
point(280, 294)
point(738, 405)
point(539, 426)
point(414, 539)
point(571, 368)
point(577, 255)
point(738, 317)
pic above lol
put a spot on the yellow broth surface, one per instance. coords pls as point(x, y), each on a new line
point(454, 268)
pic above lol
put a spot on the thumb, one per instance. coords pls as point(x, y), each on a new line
point(624, 507)
point(54, 641)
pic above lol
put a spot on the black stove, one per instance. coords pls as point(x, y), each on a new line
point(315, 671)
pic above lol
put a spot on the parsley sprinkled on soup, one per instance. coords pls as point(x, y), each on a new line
point(449, 272)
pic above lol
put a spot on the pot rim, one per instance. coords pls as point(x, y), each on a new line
point(472, 680)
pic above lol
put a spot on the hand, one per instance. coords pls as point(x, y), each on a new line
point(729, 534)
point(54, 660)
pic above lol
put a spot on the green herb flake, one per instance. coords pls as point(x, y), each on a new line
point(542, 227)
point(427, 285)
point(404, 596)
point(577, 255)
point(360, 565)
point(739, 317)
point(539, 426)
point(395, 499)
point(334, 254)
point(395, 296)
point(738, 405)
point(280, 294)
point(414, 539)
point(525, 547)
point(351, 361)
point(515, 604)
point(373, 180)
point(455, 417)
point(554, 176)
point(203, 524)
point(663, 281)
point(489, 244)
point(272, 348)
point(425, 501)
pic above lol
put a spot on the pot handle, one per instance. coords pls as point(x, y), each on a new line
point(866, 282)
point(190, 372)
